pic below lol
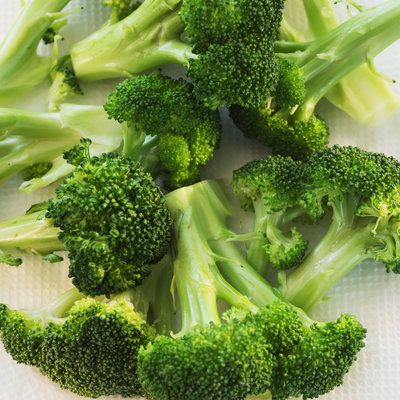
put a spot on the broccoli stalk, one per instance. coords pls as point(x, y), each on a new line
point(89, 346)
point(21, 68)
point(228, 52)
point(264, 343)
point(362, 94)
point(361, 189)
point(33, 140)
point(308, 70)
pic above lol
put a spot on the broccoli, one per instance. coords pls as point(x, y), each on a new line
point(361, 189)
point(34, 140)
point(112, 218)
point(228, 51)
point(264, 343)
point(170, 132)
point(272, 187)
point(363, 93)
point(64, 85)
point(21, 68)
point(290, 127)
point(89, 346)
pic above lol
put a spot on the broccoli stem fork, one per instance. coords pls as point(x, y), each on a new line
point(154, 31)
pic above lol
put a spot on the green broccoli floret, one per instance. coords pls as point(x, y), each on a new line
point(259, 344)
point(290, 126)
point(171, 133)
point(228, 49)
point(33, 140)
point(87, 345)
point(65, 84)
point(363, 93)
point(21, 68)
point(113, 222)
point(272, 187)
point(361, 189)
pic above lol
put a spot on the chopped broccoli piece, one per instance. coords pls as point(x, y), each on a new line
point(228, 49)
point(361, 188)
point(171, 132)
point(290, 126)
point(21, 68)
point(259, 343)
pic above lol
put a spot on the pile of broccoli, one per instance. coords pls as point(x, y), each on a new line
point(170, 302)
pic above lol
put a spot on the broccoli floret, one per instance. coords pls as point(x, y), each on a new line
point(257, 342)
point(286, 121)
point(361, 189)
point(171, 132)
point(113, 222)
point(33, 140)
point(87, 345)
point(228, 49)
point(272, 187)
point(21, 68)
point(65, 84)
point(363, 94)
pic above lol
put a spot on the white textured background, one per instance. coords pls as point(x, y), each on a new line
point(367, 291)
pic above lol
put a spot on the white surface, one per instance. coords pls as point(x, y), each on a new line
point(367, 291)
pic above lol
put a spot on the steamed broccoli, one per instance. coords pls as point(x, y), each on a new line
point(272, 187)
point(362, 190)
point(290, 126)
point(113, 221)
point(228, 48)
point(34, 140)
point(87, 345)
point(264, 343)
point(21, 68)
point(363, 93)
point(170, 132)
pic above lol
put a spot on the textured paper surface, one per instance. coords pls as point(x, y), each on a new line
point(367, 291)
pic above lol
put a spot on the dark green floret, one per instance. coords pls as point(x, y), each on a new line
point(362, 191)
point(31, 141)
point(113, 219)
point(170, 132)
point(228, 49)
point(271, 187)
point(249, 350)
point(308, 71)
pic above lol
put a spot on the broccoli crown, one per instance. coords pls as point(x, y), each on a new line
point(273, 180)
point(319, 361)
point(114, 222)
point(186, 132)
point(214, 362)
point(299, 139)
point(94, 351)
point(233, 43)
point(36, 171)
point(340, 170)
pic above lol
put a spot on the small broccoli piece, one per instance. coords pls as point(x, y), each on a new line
point(362, 94)
point(120, 9)
point(228, 49)
point(65, 84)
point(257, 341)
point(272, 188)
point(33, 140)
point(171, 133)
point(361, 188)
point(286, 121)
point(87, 345)
point(21, 68)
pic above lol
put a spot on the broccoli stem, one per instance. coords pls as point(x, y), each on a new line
point(329, 58)
point(30, 233)
point(21, 68)
point(362, 94)
point(147, 38)
point(343, 247)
